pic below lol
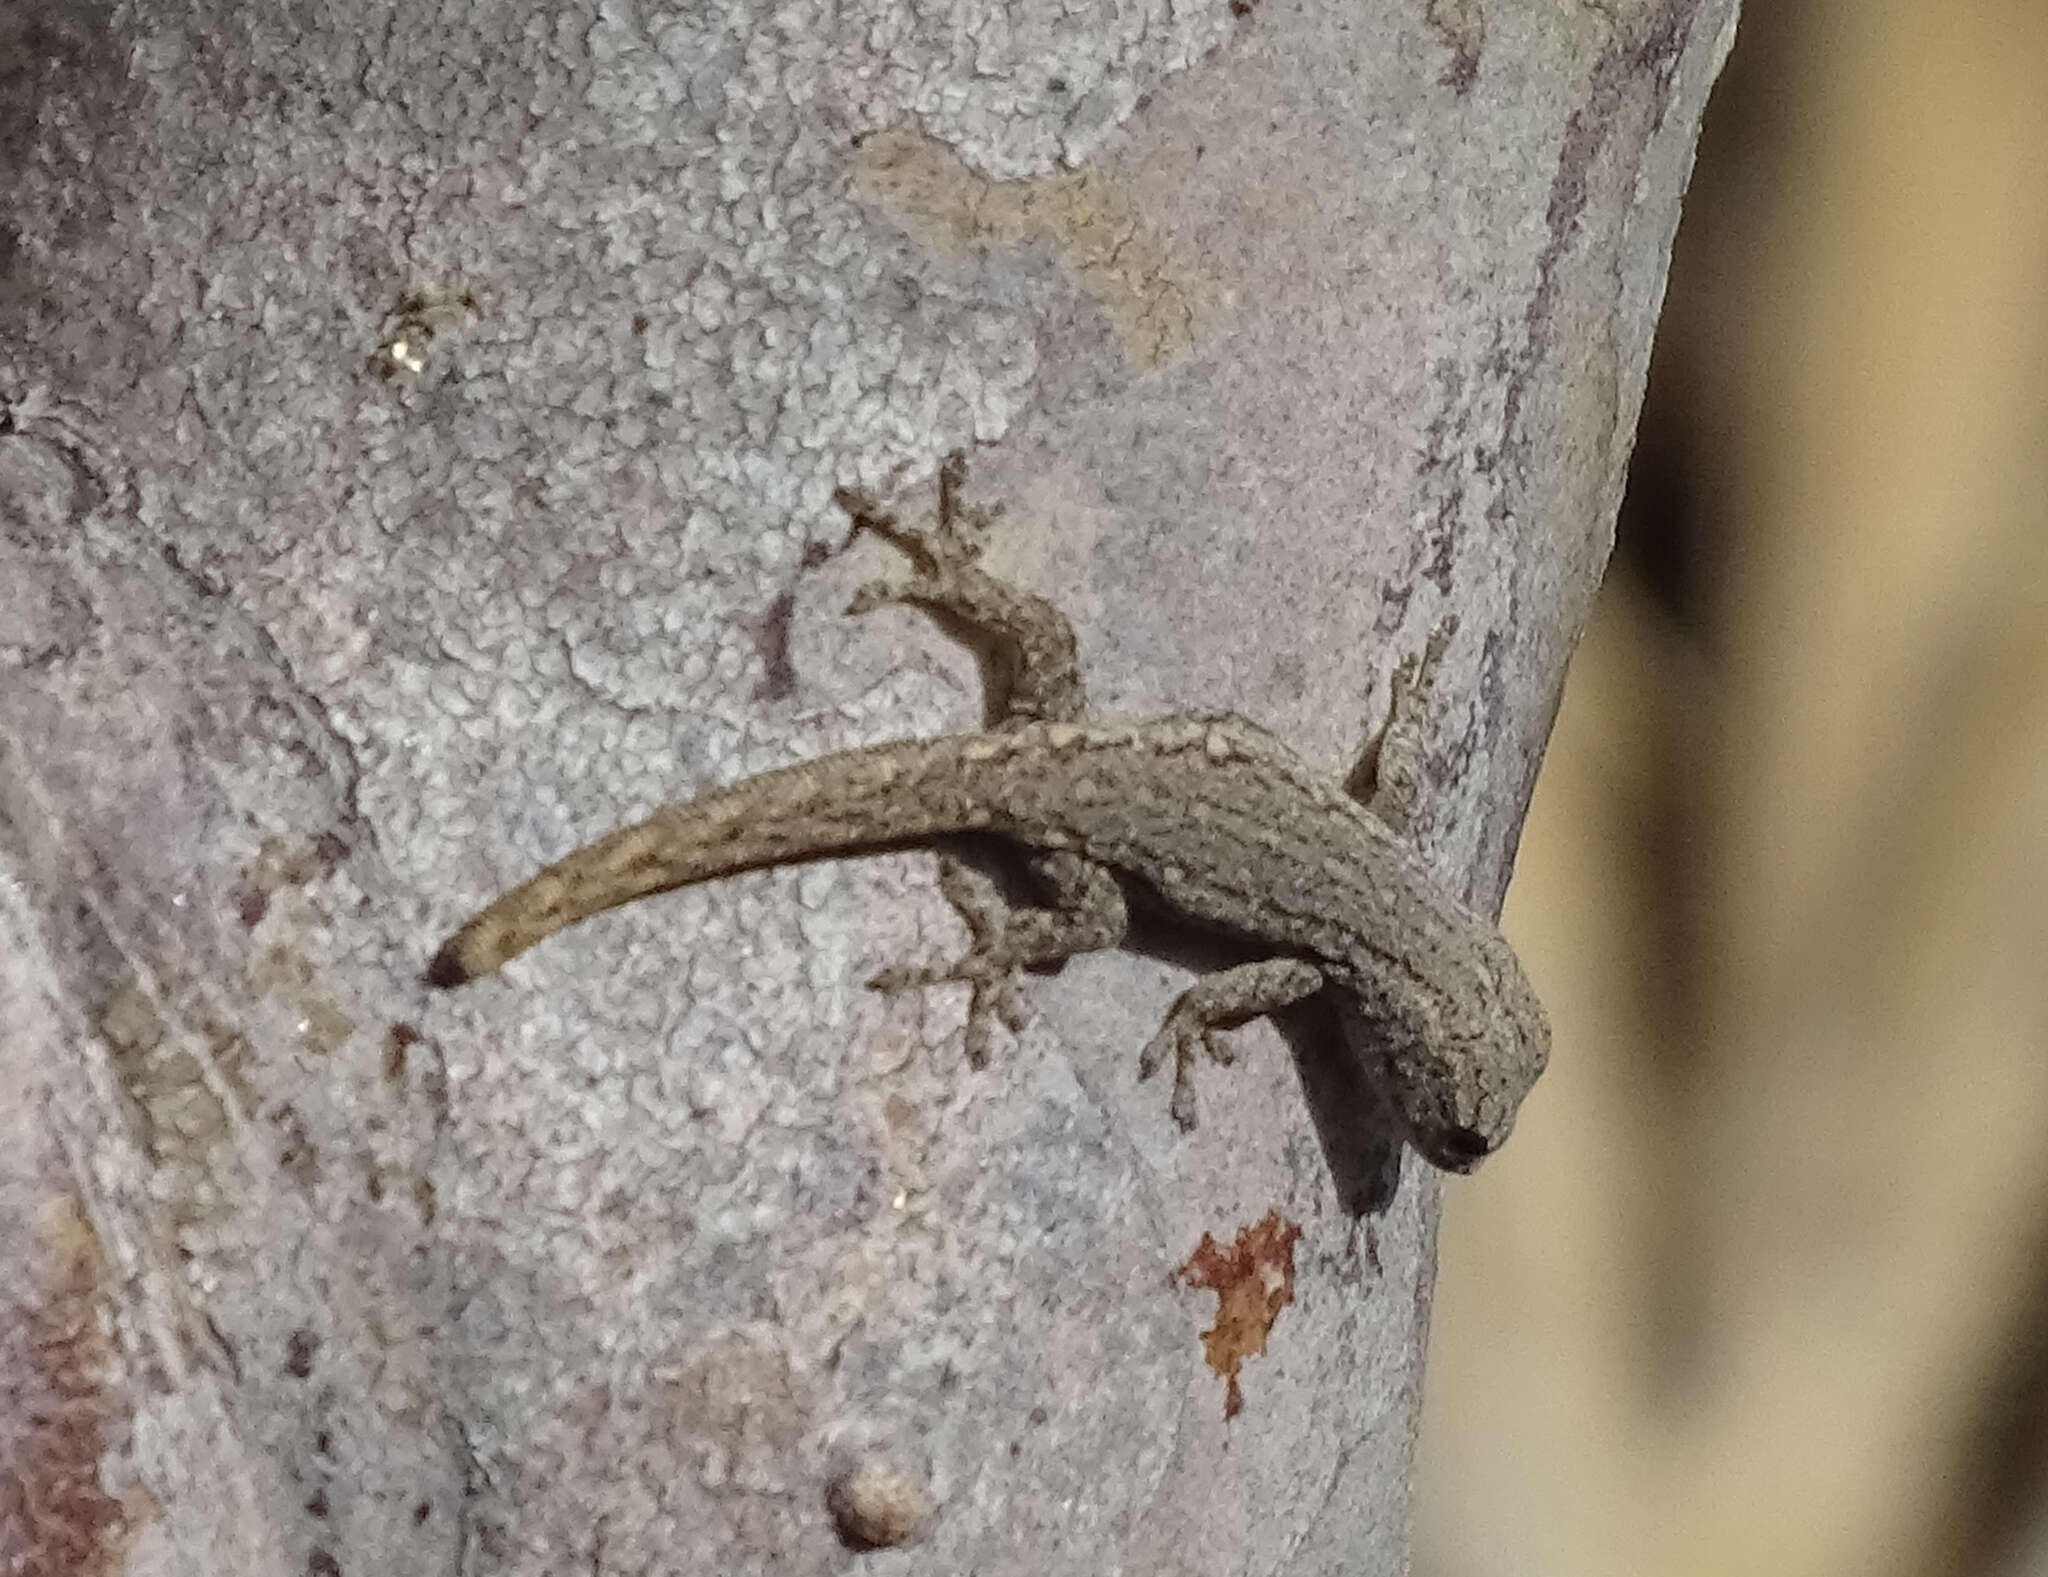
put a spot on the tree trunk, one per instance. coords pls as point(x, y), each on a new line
point(418, 432)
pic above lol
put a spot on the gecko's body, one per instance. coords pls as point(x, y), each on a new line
point(1208, 819)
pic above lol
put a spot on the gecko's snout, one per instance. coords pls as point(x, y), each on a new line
point(1460, 1149)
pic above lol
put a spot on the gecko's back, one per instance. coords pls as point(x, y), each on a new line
point(1212, 814)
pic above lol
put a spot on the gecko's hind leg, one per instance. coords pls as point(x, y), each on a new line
point(1035, 671)
point(1393, 779)
point(1218, 1002)
point(1034, 675)
point(1086, 913)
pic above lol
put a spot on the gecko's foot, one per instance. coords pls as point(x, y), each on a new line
point(944, 557)
point(1003, 940)
point(1181, 1039)
point(1195, 1023)
point(993, 998)
point(991, 980)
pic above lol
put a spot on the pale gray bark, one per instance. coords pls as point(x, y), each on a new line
point(419, 432)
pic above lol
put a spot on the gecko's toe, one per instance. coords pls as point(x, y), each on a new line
point(1156, 1051)
point(875, 594)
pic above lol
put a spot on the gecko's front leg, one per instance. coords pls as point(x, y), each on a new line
point(1038, 671)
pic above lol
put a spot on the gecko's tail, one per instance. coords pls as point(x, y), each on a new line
point(447, 969)
point(861, 801)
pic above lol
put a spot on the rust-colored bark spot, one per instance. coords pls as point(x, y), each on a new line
point(400, 1039)
point(300, 1349)
point(61, 1403)
point(771, 640)
point(252, 903)
point(426, 1069)
point(1253, 1281)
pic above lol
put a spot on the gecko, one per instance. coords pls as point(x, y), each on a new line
point(1202, 817)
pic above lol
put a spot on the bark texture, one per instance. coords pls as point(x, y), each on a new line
point(418, 427)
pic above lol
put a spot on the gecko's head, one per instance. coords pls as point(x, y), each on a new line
point(1459, 1061)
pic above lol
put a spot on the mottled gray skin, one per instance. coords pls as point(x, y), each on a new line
point(1208, 818)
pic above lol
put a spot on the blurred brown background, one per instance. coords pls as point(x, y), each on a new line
point(1762, 1283)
